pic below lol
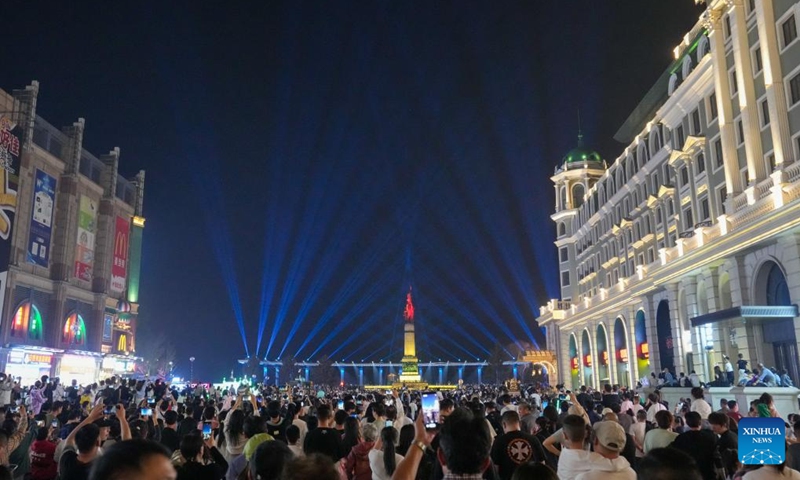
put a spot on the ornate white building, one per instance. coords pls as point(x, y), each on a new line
point(686, 247)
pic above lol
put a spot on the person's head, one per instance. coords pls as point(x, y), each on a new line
point(311, 467)
point(369, 433)
point(641, 416)
point(292, 434)
point(733, 406)
point(235, 423)
point(534, 471)
point(42, 434)
point(607, 388)
point(339, 418)
point(574, 428)
point(446, 407)
point(524, 409)
point(668, 464)
point(693, 420)
point(268, 460)
point(192, 446)
point(718, 422)
point(133, 459)
point(609, 438)
point(510, 421)
point(723, 403)
point(378, 410)
point(664, 419)
point(406, 436)
point(697, 393)
point(325, 415)
point(87, 439)
point(389, 438)
point(565, 407)
point(766, 399)
point(253, 425)
point(171, 418)
point(464, 444)
point(105, 429)
point(653, 397)
point(796, 428)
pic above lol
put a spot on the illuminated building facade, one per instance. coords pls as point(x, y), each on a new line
point(70, 250)
point(686, 247)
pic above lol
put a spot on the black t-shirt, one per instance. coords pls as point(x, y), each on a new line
point(514, 449)
point(728, 441)
point(71, 468)
point(701, 445)
point(610, 399)
point(170, 439)
point(277, 430)
point(327, 441)
point(741, 364)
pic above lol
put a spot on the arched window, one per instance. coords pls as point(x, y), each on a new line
point(27, 322)
point(702, 47)
point(686, 68)
point(673, 82)
point(655, 140)
point(74, 332)
point(563, 196)
point(577, 195)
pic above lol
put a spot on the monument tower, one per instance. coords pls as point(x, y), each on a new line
point(410, 372)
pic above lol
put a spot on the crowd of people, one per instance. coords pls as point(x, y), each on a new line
point(760, 376)
point(128, 429)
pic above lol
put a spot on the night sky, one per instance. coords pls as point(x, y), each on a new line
point(308, 161)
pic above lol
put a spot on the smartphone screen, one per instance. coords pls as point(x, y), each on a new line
point(206, 430)
point(40, 423)
point(544, 404)
point(54, 424)
point(146, 412)
point(151, 401)
point(108, 411)
point(389, 423)
point(430, 409)
point(340, 405)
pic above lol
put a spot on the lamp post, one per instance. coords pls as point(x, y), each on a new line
point(191, 369)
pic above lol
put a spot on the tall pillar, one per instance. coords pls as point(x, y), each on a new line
point(756, 171)
point(480, 375)
point(724, 108)
point(773, 81)
point(611, 347)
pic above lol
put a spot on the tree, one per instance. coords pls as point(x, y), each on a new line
point(158, 355)
point(326, 373)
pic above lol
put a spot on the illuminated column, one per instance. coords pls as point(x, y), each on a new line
point(773, 81)
point(380, 376)
point(361, 376)
point(747, 95)
point(441, 373)
point(515, 371)
point(341, 376)
point(725, 109)
point(306, 372)
point(460, 373)
point(480, 375)
point(277, 375)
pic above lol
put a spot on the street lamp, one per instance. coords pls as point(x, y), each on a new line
point(191, 369)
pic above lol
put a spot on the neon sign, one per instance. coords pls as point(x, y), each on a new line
point(587, 360)
point(623, 355)
point(644, 351)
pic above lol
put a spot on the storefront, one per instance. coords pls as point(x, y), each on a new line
point(30, 363)
point(81, 366)
point(118, 365)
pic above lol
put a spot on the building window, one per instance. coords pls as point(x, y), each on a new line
point(718, 160)
point(74, 332)
point(670, 208)
point(688, 220)
point(764, 113)
point(712, 106)
point(705, 211)
point(751, 7)
point(659, 216)
point(679, 139)
point(758, 63)
point(684, 176)
point(564, 279)
point(701, 163)
point(739, 133)
point(794, 88)
point(564, 254)
point(696, 122)
point(734, 82)
point(789, 29)
point(723, 195)
point(651, 256)
point(727, 27)
point(27, 322)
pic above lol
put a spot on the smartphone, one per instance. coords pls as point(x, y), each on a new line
point(54, 423)
point(302, 404)
point(340, 405)
point(40, 423)
point(151, 401)
point(389, 423)
point(207, 430)
point(354, 415)
point(109, 410)
point(544, 404)
point(388, 392)
point(146, 412)
point(430, 409)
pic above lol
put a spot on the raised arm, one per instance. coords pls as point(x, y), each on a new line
point(407, 468)
point(96, 413)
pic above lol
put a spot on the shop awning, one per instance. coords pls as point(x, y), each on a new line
point(749, 311)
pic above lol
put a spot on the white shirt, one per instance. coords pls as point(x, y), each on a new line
point(376, 464)
point(638, 431)
point(573, 462)
point(303, 426)
point(702, 407)
point(651, 412)
point(297, 450)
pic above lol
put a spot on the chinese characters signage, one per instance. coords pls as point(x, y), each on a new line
point(44, 195)
point(119, 267)
point(84, 250)
point(10, 150)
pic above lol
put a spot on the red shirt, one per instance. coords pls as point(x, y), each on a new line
point(735, 415)
point(43, 465)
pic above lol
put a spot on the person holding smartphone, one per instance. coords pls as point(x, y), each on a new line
point(42, 452)
point(195, 449)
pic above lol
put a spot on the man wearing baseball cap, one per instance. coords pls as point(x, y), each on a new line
point(609, 441)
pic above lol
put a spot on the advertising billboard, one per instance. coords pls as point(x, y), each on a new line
point(44, 197)
point(119, 265)
point(10, 150)
point(87, 228)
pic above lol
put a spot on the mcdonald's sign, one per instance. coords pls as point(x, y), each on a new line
point(119, 266)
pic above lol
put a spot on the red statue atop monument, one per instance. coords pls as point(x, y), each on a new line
point(408, 313)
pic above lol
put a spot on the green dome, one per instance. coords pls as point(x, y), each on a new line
point(581, 155)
